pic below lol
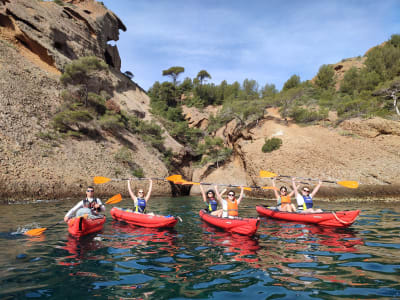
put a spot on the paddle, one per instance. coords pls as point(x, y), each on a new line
point(38, 231)
point(246, 188)
point(345, 183)
point(102, 179)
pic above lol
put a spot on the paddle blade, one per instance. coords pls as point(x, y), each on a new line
point(35, 232)
point(247, 188)
point(349, 184)
point(190, 182)
point(114, 199)
point(174, 178)
point(100, 179)
point(266, 174)
point(269, 188)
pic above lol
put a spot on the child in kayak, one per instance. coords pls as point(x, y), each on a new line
point(230, 206)
point(305, 199)
point(90, 204)
point(140, 201)
point(283, 198)
point(211, 201)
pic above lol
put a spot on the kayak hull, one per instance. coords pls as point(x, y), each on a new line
point(336, 219)
point(143, 220)
point(81, 226)
point(244, 226)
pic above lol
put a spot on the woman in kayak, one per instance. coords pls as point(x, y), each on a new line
point(140, 201)
point(212, 203)
point(91, 205)
point(283, 198)
point(305, 199)
point(230, 206)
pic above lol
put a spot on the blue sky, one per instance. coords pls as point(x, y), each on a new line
point(267, 41)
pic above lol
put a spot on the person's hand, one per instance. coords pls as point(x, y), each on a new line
point(293, 179)
point(66, 219)
point(96, 205)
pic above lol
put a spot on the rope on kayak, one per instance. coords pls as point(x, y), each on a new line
point(340, 220)
point(179, 218)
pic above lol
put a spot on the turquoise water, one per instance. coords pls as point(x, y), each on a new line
point(283, 261)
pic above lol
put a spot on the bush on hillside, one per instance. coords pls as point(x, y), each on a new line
point(271, 145)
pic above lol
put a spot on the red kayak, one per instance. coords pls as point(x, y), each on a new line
point(245, 226)
point(144, 220)
point(337, 219)
point(80, 226)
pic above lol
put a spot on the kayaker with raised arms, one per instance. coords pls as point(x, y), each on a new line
point(230, 206)
point(140, 201)
point(305, 199)
point(91, 205)
point(283, 198)
point(211, 201)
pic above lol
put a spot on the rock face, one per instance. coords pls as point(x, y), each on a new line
point(363, 150)
point(37, 39)
point(58, 34)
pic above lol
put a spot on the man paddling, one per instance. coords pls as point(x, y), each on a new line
point(90, 205)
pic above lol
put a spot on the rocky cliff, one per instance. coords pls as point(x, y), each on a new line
point(37, 40)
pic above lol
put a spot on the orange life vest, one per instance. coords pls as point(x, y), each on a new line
point(232, 208)
point(285, 199)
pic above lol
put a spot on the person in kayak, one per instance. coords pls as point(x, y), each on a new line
point(305, 199)
point(89, 205)
point(283, 198)
point(211, 201)
point(230, 206)
point(140, 201)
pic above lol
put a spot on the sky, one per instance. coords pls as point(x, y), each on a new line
point(263, 40)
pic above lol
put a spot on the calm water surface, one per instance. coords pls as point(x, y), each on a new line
point(283, 261)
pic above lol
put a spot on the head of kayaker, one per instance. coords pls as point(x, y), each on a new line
point(140, 201)
point(305, 199)
point(90, 202)
point(230, 205)
point(283, 198)
point(211, 201)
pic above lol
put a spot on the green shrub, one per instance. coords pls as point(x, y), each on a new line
point(302, 115)
point(65, 119)
point(271, 145)
point(111, 122)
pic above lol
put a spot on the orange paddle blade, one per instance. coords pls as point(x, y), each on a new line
point(269, 188)
point(175, 178)
point(114, 199)
point(266, 174)
point(100, 179)
point(35, 232)
point(190, 182)
point(349, 184)
point(247, 188)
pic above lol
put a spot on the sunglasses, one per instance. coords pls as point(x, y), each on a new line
point(306, 191)
point(140, 192)
point(231, 195)
point(90, 191)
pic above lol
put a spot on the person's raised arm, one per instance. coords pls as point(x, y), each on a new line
point(275, 190)
point(296, 192)
point(218, 195)
point(149, 192)
point(203, 193)
point(241, 195)
point(130, 191)
point(315, 190)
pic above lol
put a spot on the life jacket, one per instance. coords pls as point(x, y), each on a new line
point(141, 205)
point(308, 203)
point(212, 204)
point(284, 199)
point(87, 203)
point(232, 208)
